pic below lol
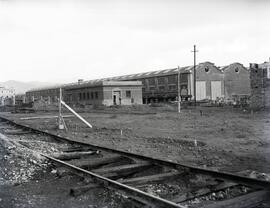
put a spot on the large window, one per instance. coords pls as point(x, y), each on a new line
point(172, 79)
point(161, 88)
point(151, 81)
point(96, 95)
point(183, 78)
point(92, 95)
point(161, 80)
point(128, 94)
point(172, 87)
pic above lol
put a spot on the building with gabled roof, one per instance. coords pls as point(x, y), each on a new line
point(236, 81)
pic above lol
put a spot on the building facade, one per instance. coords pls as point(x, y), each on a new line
point(91, 93)
point(260, 85)
point(104, 93)
point(236, 81)
point(7, 96)
point(48, 95)
point(209, 82)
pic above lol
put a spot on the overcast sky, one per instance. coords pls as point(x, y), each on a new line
point(62, 41)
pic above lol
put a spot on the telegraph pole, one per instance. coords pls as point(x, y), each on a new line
point(194, 73)
point(179, 96)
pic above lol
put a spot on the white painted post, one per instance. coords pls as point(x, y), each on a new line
point(76, 114)
point(60, 119)
point(179, 96)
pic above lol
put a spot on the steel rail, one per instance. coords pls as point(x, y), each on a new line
point(132, 192)
point(253, 182)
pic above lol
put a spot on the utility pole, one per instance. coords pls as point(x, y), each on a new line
point(179, 96)
point(194, 74)
point(60, 98)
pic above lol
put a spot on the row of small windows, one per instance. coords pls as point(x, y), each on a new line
point(161, 88)
point(171, 79)
point(206, 69)
point(88, 95)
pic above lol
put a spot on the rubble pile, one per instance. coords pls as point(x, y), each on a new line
point(18, 163)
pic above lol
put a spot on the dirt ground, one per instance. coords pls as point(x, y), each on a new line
point(225, 139)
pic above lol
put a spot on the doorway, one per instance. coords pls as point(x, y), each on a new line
point(116, 97)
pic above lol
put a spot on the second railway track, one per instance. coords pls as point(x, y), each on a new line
point(146, 181)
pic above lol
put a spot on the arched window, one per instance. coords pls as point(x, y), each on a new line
point(206, 69)
point(236, 69)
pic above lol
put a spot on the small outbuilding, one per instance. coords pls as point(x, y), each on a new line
point(104, 93)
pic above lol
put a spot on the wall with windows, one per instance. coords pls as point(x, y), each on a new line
point(128, 95)
point(46, 95)
point(162, 88)
point(86, 95)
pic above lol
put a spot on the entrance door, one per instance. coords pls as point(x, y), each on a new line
point(200, 90)
point(116, 97)
point(215, 89)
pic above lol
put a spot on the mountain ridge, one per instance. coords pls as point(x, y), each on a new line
point(21, 87)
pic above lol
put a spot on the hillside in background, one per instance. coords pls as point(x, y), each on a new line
point(22, 87)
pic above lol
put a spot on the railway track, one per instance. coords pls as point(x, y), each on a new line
point(145, 181)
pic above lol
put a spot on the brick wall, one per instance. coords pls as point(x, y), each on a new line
point(260, 85)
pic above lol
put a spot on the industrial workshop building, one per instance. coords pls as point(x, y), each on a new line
point(163, 85)
point(236, 82)
point(209, 82)
point(260, 85)
point(91, 93)
point(46, 94)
